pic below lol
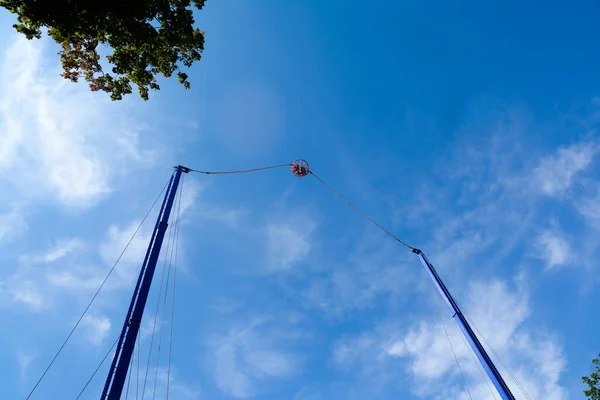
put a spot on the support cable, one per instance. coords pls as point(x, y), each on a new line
point(399, 241)
point(306, 170)
point(485, 379)
point(456, 358)
point(137, 379)
point(156, 313)
point(174, 285)
point(162, 319)
point(95, 295)
point(499, 359)
point(441, 320)
point(360, 212)
point(98, 367)
point(239, 171)
point(300, 168)
point(129, 378)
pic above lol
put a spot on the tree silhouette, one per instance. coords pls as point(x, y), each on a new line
point(141, 39)
point(593, 381)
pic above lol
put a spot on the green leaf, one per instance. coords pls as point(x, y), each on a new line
point(145, 38)
point(593, 382)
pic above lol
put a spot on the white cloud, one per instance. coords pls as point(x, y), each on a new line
point(366, 350)
point(148, 324)
point(480, 215)
point(42, 278)
point(12, 225)
point(230, 216)
point(289, 241)
point(29, 293)
point(76, 279)
point(500, 314)
point(270, 363)
point(191, 190)
point(97, 327)
point(60, 250)
point(555, 173)
point(128, 268)
point(132, 259)
point(177, 389)
point(371, 272)
point(229, 378)
point(589, 208)
point(429, 351)
point(24, 360)
point(54, 135)
point(286, 245)
point(497, 310)
point(246, 356)
point(554, 249)
point(119, 237)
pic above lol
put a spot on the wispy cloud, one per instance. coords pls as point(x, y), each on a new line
point(589, 208)
point(192, 189)
point(24, 360)
point(372, 273)
point(54, 133)
point(29, 293)
point(12, 224)
point(500, 314)
point(247, 355)
point(117, 239)
point(97, 327)
point(556, 172)
point(289, 241)
point(178, 389)
point(60, 250)
point(554, 249)
point(482, 218)
point(70, 268)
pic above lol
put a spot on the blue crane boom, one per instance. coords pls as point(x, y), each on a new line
point(117, 374)
point(464, 326)
point(126, 343)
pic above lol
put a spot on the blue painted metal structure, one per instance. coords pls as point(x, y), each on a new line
point(464, 326)
point(117, 374)
point(115, 381)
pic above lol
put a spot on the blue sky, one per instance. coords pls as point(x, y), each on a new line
point(469, 130)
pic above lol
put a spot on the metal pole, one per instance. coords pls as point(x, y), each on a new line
point(464, 326)
point(133, 298)
point(118, 371)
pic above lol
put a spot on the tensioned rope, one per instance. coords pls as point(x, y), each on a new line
point(162, 279)
point(95, 295)
point(323, 183)
point(441, 321)
point(240, 171)
point(97, 368)
point(137, 379)
point(129, 378)
point(300, 168)
point(456, 358)
point(499, 359)
point(169, 256)
point(360, 212)
point(483, 377)
point(177, 224)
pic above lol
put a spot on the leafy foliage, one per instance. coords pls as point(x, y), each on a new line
point(147, 37)
point(593, 381)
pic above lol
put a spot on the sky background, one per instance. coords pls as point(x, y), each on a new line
point(469, 130)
